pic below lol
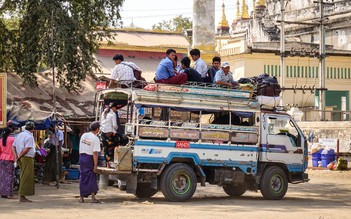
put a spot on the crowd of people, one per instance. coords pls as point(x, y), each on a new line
point(21, 150)
point(170, 72)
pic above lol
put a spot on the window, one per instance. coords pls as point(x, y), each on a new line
point(280, 125)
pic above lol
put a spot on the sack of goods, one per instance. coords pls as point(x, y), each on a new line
point(268, 90)
point(268, 86)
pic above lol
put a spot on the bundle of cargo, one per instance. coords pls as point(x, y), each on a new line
point(267, 89)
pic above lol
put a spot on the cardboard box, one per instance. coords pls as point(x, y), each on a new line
point(123, 157)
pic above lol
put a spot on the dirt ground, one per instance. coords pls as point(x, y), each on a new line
point(326, 196)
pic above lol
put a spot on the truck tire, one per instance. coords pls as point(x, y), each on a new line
point(110, 182)
point(144, 190)
point(274, 183)
point(234, 190)
point(178, 182)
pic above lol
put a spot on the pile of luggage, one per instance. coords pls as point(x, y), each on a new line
point(265, 88)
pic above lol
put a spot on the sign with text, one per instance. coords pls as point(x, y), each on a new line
point(182, 144)
point(101, 85)
point(3, 91)
point(331, 143)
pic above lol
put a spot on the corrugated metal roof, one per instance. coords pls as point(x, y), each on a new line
point(37, 101)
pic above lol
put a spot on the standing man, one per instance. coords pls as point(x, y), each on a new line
point(53, 162)
point(25, 151)
point(200, 65)
point(165, 72)
point(89, 146)
point(123, 71)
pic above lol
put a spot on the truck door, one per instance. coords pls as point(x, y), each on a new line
point(284, 142)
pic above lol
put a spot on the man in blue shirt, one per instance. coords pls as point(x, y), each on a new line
point(166, 73)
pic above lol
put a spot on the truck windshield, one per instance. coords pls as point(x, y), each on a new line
point(281, 125)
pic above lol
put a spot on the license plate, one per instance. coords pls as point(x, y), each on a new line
point(182, 144)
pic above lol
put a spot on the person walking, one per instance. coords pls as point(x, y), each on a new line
point(89, 146)
point(7, 168)
point(25, 151)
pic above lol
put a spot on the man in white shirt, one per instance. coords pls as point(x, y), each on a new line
point(123, 71)
point(109, 137)
point(89, 147)
point(25, 151)
point(200, 65)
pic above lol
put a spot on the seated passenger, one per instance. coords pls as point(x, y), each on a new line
point(192, 74)
point(224, 76)
point(165, 72)
point(216, 66)
point(123, 71)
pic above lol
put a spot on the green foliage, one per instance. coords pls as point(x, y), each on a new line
point(40, 34)
point(177, 24)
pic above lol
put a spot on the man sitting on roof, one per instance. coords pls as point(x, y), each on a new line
point(165, 72)
point(192, 74)
point(123, 71)
point(224, 76)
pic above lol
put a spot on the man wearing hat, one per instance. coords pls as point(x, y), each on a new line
point(89, 147)
point(25, 150)
point(224, 76)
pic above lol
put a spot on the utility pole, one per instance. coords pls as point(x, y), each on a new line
point(322, 61)
point(322, 56)
point(282, 49)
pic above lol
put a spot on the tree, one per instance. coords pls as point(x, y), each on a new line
point(178, 24)
point(59, 33)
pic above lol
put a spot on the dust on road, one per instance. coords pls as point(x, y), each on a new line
point(326, 196)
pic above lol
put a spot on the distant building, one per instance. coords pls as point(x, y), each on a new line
point(146, 48)
point(253, 48)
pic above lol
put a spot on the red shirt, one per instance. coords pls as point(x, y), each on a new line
point(6, 152)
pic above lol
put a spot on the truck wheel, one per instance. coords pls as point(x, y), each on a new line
point(178, 182)
point(234, 190)
point(110, 182)
point(274, 183)
point(144, 190)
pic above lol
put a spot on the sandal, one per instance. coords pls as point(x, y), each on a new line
point(95, 201)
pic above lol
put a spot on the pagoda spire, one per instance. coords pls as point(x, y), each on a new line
point(223, 22)
point(261, 3)
point(223, 25)
point(238, 15)
point(245, 11)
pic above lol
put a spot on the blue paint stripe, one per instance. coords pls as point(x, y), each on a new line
point(197, 146)
point(244, 166)
point(295, 168)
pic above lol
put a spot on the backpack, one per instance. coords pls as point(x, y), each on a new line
point(136, 72)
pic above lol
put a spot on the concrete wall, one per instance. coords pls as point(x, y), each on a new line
point(338, 130)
